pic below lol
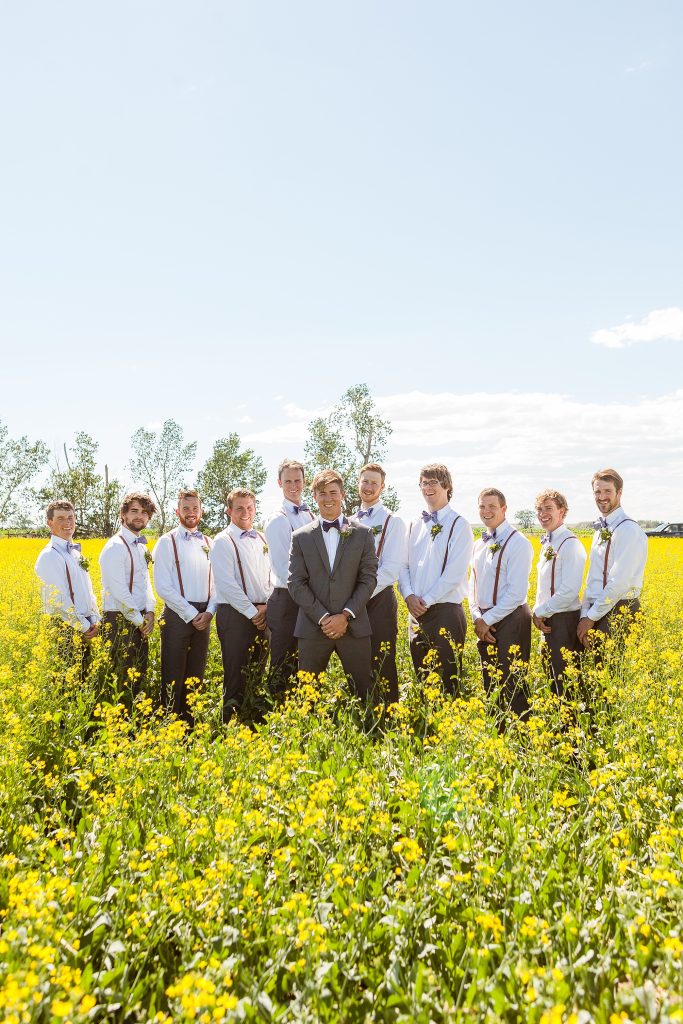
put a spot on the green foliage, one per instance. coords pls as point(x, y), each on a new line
point(20, 461)
point(161, 461)
point(95, 498)
point(226, 468)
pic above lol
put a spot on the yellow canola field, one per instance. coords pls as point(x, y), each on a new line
point(435, 870)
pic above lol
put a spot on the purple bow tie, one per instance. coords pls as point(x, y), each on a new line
point(72, 547)
point(140, 540)
point(196, 533)
point(249, 533)
point(299, 508)
point(545, 539)
point(600, 524)
point(486, 537)
point(432, 517)
point(364, 512)
point(331, 526)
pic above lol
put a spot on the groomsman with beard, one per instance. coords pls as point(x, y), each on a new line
point(561, 562)
point(67, 592)
point(184, 581)
point(433, 579)
point(127, 596)
point(499, 583)
point(332, 575)
point(282, 610)
point(241, 568)
point(390, 546)
point(617, 562)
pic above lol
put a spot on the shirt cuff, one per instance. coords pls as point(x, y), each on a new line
point(323, 617)
point(349, 611)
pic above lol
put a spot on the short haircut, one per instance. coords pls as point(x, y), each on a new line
point(143, 500)
point(492, 492)
point(611, 475)
point(372, 467)
point(437, 471)
point(549, 494)
point(61, 505)
point(240, 492)
point(188, 493)
point(328, 476)
point(290, 464)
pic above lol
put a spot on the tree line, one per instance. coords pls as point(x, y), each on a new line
point(161, 462)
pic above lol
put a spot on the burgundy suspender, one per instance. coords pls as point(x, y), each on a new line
point(132, 563)
point(177, 565)
point(239, 561)
point(609, 545)
point(552, 573)
point(382, 538)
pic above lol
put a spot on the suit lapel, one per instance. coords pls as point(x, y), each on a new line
point(320, 544)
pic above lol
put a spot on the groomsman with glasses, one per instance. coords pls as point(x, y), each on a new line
point(390, 546)
point(282, 610)
point(499, 583)
point(241, 569)
point(67, 591)
point(617, 562)
point(127, 596)
point(184, 581)
point(433, 580)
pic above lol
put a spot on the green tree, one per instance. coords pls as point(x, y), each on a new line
point(20, 461)
point(95, 498)
point(226, 468)
point(351, 435)
point(161, 461)
point(525, 519)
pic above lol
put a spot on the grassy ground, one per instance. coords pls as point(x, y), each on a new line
point(306, 871)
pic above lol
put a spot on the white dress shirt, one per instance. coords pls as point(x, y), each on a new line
point(569, 561)
point(195, 569)
point(394, 550)
point(115, 569)
point(625, 567)
point(513, 581)
point(51, 566)
point(255, 565)
point(278, 530)
point(421, 573)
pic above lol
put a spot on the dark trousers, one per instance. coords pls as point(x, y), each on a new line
point(129, 651)
point(355, 654)
point(243, 649)
point(496, 668)
point(184, 652)
point(451, 618)
point(281, 616)
point(383, 615)
point(615, 622)
point(557, 643)
point(72, 651)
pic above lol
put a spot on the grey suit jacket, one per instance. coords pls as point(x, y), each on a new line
point(349, 584)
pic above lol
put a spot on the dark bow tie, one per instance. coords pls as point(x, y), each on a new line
point(331, 526)
point(140, 540)
point(600, 523)
point(545, 539)
point(299, 508)
point(249, 533)
point(432, 517)
point(70, 546)
point(364, 512)
point(195, 533)
point(486, 537)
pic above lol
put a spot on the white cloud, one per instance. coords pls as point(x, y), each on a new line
point(658, 325)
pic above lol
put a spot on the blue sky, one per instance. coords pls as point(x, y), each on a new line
point(228, 213)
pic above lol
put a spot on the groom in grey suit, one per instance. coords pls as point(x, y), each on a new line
point(332, 575)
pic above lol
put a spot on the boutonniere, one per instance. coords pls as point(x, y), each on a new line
point(84, 563)
point(605, 534)
point(206, 549)
point(549, 553)
point(265, 549)
point(148, 557)
point(494, 547)
point(436, 530)
point(345, 531)
point(376, 530)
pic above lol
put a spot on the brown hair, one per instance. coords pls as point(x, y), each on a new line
point(328, 476)
point(437, 471)
point(290, 464)
point(143, 500)
point(551, 495)
point(240, 492)
point(191, 493)
point(61, 505)
point(489, 492)
point(372, 467)
point(611, 475)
